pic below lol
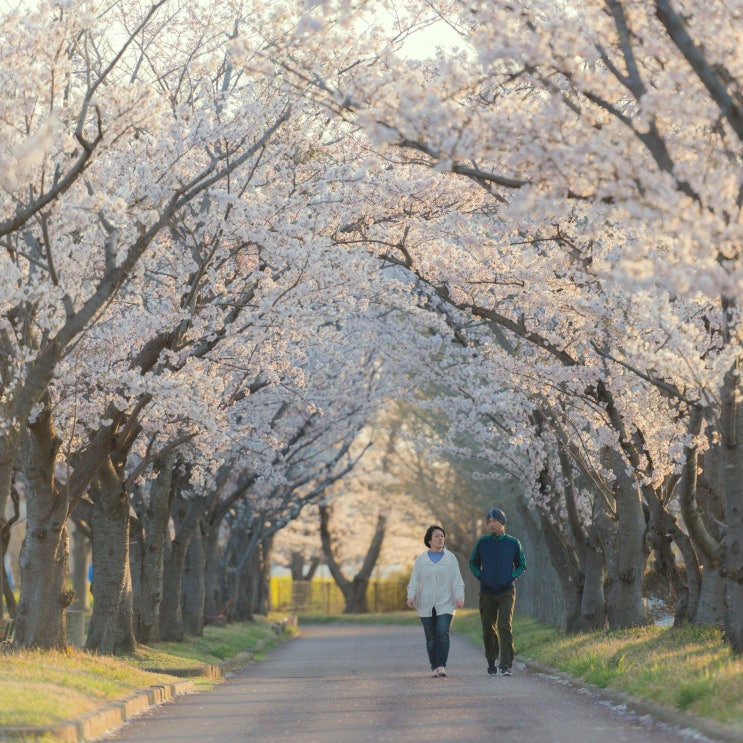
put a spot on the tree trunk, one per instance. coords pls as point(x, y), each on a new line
point(249, 588)
point(193, 586)
point(249, 572)
point(261, 577)
point(569, 575)
point(243, 544)
point(632, 550)
point(297, 564)
point(186, 515)
point(80, 544)
point(153, 517)
point(662, 529)
point(540, 591)
point(40, 618)
point(354, 594)
point(687, 598)
point(701, 546)
point(111, 629)
point(593, 600)
point(711, 607)
point(587, 558)
point(354, 591)
point(4, 543)
point(214, 596)
point(9, 443)
point(6, 591)
point(567, 543)
point(136, 562)
point(171, 611)
point(606, 527)
point(732, 489)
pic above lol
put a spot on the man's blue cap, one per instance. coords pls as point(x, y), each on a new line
point(498, 515)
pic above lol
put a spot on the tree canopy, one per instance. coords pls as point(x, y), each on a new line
point(236, 232)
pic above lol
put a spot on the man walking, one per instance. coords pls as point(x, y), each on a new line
point(497, 561)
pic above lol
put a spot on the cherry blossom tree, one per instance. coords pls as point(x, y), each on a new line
point(52, 292)
point(593, 206)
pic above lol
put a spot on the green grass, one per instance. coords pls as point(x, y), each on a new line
point(43, 687)
point(39, 688)
point(217, 644)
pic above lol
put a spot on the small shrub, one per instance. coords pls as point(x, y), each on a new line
point(691, 692)
point(222, 652)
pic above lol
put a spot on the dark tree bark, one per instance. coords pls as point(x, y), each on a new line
point(301, 568)
point(186, 515)
point(111, 624)
point(702, 546)
point(260, 576)
point(709, 504)
point(732, 489)
point(80, 540)
point(214, 587)
point(40, 618)
point(153, 518)
point(593, 602)
point(632, 548)
point(588, 554)
point(242, 555)
point(193, 586)
point(568, 553)
point(353, 589)
point(5, 527)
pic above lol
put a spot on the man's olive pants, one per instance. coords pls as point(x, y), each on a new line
point(496, 615)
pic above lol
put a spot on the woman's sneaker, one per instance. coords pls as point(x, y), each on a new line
point(441, 671)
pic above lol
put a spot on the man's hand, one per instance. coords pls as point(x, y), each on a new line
point(504, 587)
point(459, 603)
point(411, 603)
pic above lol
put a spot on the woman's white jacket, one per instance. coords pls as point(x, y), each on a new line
point(436, 584)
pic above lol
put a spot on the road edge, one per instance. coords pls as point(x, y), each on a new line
point(678, 718)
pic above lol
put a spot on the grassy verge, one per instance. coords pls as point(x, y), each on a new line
point(40, 688)
point(217, 644)
point(686, 668)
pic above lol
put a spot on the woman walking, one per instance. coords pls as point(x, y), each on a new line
point(435, 589)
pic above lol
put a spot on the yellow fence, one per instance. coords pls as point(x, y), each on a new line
point(322, 596)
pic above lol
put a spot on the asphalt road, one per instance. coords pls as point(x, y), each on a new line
point(338, 684)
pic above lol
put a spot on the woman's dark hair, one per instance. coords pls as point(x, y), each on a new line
point(429, 534)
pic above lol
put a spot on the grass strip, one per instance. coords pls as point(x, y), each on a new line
point(42, 687)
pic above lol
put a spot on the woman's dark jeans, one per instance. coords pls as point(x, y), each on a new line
point(436, 628)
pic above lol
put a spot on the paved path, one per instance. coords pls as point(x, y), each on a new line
point(347, 684)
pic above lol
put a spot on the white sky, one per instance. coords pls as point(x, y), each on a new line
point(423, 43)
